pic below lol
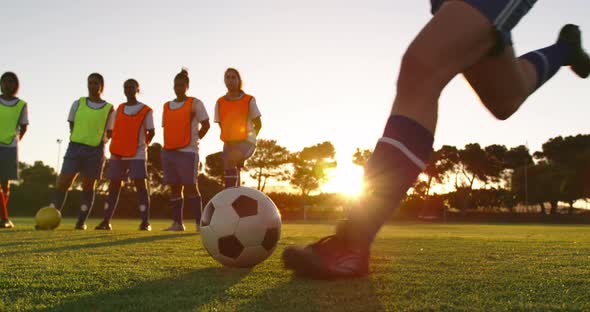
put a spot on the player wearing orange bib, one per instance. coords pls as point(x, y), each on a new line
point(185, 122)
point(132, 132)
point(239, 119)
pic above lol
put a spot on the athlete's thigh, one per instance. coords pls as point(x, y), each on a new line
point(456, 37)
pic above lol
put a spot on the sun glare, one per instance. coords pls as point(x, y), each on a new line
point(346, 179)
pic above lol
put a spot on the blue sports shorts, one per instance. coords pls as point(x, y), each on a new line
point(503, 14)
point(8, 163)
point(180, 168)
point(87, 160)
point(121, 169)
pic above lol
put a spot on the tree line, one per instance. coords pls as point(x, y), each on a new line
point(472, 178)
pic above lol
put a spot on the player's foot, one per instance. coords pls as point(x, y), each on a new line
point(104, 225)
point(80, 226)
point(145, 226)
point(332, 257)
point(6, 224)
point(176, 227)
point(578, 60)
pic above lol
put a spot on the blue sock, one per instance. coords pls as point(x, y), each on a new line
point(195, 204)
point(59, 198)
point(86, 207)
point(111, 204)
point(399, 157)
point(144, 204)
point(547, 61)
point(231, 177)
point(176, 207)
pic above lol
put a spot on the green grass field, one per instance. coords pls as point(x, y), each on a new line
point(415, 268)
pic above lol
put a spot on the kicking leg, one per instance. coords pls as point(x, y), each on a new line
point(457, 37)
point(504, 82)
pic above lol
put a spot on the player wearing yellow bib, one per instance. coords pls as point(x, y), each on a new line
point(13, 125)
point(90, 118)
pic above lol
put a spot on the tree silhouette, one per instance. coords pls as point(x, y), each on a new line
point(311, 167)
point(214, 166)
point(269, 161)
point(37, 175)
point(361, 156)
point(154, 168)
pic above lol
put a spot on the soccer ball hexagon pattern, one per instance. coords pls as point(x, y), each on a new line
point(240, 227)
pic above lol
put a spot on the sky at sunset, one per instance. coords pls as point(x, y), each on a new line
point(320, 70)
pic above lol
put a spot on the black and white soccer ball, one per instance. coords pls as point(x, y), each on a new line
point(240, 227)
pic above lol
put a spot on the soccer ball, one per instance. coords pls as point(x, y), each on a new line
point(47, 218)
point(240, 227)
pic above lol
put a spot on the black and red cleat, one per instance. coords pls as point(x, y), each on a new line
point(332, 257)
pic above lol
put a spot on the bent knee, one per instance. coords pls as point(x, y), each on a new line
point(502, 107)
point(422, 72)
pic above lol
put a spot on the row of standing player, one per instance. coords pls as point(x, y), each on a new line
point(130, 127)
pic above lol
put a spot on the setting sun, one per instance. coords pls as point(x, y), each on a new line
point(346, 179)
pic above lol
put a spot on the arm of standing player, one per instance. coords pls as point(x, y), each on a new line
point(149, 135)
point(257, 124)
point(23, 130)
point(110, 124)
point(204, 128)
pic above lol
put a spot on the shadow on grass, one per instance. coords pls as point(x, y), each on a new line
point(29, 241)
point(109, 243)
point(185, 292)
point(307, 295)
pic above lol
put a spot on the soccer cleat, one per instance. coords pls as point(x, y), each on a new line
point(80, 226)
point(578, 60)
point(145, 226)
point(332, 257)
point(176, 227)
point(104, 225)
point(6, 224)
